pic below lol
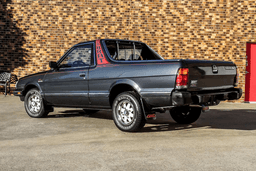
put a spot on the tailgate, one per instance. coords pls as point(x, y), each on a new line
point(210, 75)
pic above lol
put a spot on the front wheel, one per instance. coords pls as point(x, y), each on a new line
point(127, 112)
point(34, 105)
point(185, 115)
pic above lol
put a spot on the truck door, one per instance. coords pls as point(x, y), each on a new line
point(250, 77)
point(68, 85)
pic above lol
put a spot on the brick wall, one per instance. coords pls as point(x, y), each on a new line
point(34, 32)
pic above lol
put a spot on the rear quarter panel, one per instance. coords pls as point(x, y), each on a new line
point(155, 81)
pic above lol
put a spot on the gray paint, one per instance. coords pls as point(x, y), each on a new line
point(146, 78)
point(154, 80)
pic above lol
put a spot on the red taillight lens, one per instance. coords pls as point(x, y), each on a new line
point(182, 78)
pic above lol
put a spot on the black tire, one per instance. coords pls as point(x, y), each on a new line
point(185, 115)
point(34, 104)
point(127, 112)
point(88, 111)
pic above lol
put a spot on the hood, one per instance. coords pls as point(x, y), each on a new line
point(34, 75)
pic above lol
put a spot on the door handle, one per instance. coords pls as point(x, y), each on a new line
point(82, 75)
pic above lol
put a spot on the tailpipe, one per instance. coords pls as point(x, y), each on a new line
point(205, 108)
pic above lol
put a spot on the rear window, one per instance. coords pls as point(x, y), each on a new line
point(130, 51)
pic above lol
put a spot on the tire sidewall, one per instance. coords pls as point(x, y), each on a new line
point(137, 120)
point(41, 111)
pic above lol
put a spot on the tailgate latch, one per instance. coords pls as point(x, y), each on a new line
point(214, 69)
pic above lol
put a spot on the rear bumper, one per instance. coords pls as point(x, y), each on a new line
point(209, 98)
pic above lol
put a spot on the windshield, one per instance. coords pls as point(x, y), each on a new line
point(129, 51)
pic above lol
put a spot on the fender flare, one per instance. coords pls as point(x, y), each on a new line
point(36, 85)
point(135, 86)
point(129, 82)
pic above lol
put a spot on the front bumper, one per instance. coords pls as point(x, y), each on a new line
point(19, 93)
point(208, 98)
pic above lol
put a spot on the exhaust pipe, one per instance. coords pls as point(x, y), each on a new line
point(205, 108)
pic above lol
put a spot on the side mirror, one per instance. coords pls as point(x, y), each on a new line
point(53, 65)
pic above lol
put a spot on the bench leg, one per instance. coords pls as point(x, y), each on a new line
point(5, 90)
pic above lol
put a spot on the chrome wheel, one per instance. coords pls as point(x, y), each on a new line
point(125, 112)
point(34, 103)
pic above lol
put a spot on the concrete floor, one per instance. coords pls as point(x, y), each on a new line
point(68, 139)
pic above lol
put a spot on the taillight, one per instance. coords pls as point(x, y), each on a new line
point(237, 77)
point(182, 78)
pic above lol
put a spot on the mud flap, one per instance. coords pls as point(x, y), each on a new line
point(143, 109)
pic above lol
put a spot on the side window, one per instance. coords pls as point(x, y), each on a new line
point(79, 57)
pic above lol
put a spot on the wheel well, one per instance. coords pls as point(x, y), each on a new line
point(119, 89)
point(29, 87)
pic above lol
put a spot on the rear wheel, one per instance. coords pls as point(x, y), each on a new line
point(34, 104)
point(127, 112)
point(185, 115)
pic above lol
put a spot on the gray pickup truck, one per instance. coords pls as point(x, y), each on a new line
point(131, 79)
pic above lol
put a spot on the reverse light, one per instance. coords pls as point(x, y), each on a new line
point(182, 78)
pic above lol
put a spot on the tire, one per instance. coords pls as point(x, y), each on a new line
point(185, 115)
point(127, 112)
point(87, 111)
point(34, 104)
